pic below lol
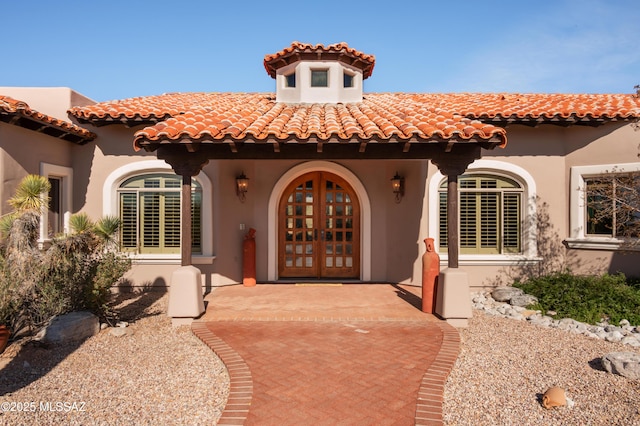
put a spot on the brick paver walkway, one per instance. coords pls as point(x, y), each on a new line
point(349, 355)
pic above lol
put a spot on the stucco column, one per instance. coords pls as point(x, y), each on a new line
point(452, 295)
point(186, 164)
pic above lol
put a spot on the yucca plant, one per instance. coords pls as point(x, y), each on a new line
point(31, 194)
point(106, 228)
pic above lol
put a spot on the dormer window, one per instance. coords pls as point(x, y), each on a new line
point(348, 80)
point(290, 80)
point(309, 74)
point(319, 78)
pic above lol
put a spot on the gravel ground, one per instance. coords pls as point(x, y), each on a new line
point(506, 365)
point(155, 375)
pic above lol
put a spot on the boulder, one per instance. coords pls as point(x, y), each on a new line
point(626, 364)
point(70, 327)
point(523, 300)
point(505, 294)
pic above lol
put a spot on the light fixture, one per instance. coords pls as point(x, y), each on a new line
point(242, 186)
point(397, 184)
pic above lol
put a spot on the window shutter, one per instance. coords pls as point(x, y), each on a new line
point(468, 220)
point(150, 219)
point(196, 221)
point(172, 220)
point(442, 210)
point(488, 221)
point(129, 220)
point(511, 222)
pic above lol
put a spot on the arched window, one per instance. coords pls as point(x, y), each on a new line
point(490, 214)
point(149, 208)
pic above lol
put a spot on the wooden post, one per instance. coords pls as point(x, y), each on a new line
point(453, 164)
point(453, 240)
point(185, 228)
point(186, 164)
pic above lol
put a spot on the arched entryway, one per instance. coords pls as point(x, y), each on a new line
point(319, 228)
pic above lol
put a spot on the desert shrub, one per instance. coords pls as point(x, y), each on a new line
point(586, 298)
point(75, 272)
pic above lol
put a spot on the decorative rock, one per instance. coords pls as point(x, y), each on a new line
point(118, 331)
point(552, 313)
point(627, 334)
point(626, 364)
point(70, 327)
point(614, 336)
point(554, 397)
point(505, 294)
point(103, 326)
point(523, 300)
point(624, 323)
point(631, 341)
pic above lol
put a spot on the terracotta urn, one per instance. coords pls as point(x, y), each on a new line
point(430, 273)
point(4, 337)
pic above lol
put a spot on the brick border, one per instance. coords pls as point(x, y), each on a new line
point(431, 392)
point(240, 380)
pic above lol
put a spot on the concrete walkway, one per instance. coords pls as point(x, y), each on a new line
point(353, 354)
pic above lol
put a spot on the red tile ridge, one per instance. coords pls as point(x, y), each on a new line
point(274, 61)
point(11, 106)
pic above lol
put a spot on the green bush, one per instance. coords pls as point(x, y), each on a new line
point(586, 298)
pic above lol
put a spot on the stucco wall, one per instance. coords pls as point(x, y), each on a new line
point(21, 153)
point(396, 230)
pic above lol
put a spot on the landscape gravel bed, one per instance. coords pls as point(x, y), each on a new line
point(505, 365)
point(156, 374)
point(153, 374)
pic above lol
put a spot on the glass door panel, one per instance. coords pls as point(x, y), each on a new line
point(319, 228)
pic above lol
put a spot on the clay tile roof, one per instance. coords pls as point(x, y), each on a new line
point(19, 113)
point(380, 117)
point(339, 51)
point(257, 117)
point(518, 107)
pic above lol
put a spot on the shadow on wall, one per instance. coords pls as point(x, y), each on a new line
point(553, 255)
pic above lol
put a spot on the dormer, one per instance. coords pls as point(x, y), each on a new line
point(305, 73)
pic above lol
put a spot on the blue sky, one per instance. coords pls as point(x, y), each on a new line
point(127, 48)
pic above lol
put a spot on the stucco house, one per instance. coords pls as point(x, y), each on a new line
point(339, 184)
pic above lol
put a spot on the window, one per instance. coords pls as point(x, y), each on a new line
point(149, 207)
point(490, 215)
point(598, 221)
point(612, 205)
point(319, 78)
point(55, 219)
point(55, 212)
point(347, 80)
point(290, 80)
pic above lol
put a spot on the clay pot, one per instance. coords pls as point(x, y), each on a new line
point(4, 337)
point(430, 273)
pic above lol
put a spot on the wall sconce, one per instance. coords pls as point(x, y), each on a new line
point(397, 184)
point(242, 186)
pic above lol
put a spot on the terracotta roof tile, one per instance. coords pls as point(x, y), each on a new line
point(341, 51)
point(210, 117)
point(34, 120)
point(258, 117)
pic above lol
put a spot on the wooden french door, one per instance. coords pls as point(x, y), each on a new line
point(319, 228)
